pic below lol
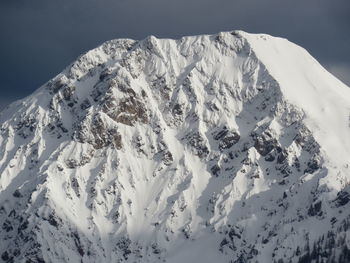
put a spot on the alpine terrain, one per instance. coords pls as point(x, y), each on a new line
point(232, 147)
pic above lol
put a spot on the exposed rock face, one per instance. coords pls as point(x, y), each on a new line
point(190, 150)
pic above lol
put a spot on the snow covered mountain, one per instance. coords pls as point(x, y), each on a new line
point(216, 148)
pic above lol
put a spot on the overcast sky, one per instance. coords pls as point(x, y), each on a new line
point(39, 38)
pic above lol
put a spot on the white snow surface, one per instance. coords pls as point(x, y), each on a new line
point(232, 147)
point(306, 84)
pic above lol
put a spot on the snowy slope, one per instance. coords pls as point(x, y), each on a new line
point(302, 79)
point(216, 148)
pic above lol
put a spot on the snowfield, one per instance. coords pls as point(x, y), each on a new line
point(232, 147)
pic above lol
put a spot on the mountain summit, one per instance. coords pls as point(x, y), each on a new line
point(232, 147)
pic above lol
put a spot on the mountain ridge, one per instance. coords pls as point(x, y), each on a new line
point(178, 150)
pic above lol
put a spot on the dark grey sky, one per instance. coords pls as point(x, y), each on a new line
point(39, 38)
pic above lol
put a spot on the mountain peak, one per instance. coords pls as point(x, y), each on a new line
point(230, 147)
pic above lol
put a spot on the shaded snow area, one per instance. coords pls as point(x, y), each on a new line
point(216, 148)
